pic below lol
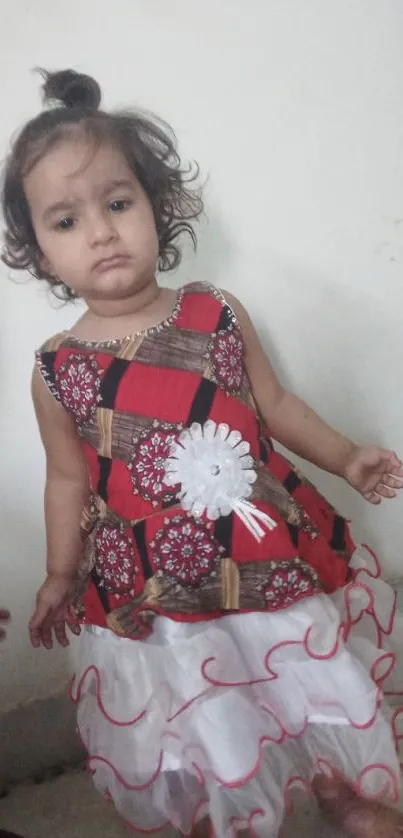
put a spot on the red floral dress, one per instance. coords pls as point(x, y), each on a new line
point(143, 554)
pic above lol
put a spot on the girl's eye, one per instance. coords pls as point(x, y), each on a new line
point(119, 205)
point(65, 223)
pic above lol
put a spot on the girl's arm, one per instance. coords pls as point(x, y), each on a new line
point(371, 470)
point(66, 494)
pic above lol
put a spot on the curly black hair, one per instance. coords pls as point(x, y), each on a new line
point(147, 143)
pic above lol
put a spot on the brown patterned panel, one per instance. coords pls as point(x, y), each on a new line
point(126, 427)
point(175, 348)
point(114, 431)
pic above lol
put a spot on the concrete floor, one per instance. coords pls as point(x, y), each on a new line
point(69, 807)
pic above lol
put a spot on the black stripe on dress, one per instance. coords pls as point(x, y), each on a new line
point(338, 541)
point(294, 531)
point(111, 380)
point(46, 362)
point(139, 532)
point(103, 596)
point(46, 365)
point(202, 402)
point(226, 320)
point(105, 466)
point(263, 453)
point(223, 532)
point(291, 482)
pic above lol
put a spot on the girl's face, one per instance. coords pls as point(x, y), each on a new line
point(93, 221)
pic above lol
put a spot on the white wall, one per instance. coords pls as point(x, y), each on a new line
point(294, 110)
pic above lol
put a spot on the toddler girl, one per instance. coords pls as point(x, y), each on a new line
point(236, 644)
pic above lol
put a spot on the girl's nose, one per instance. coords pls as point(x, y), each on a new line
point(101, 229)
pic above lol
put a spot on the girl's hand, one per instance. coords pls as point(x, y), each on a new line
point(51, 613)
point(4, 618)
point(374, 472)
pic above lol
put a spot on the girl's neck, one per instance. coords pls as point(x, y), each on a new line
point(139, 313)
point(121, 309)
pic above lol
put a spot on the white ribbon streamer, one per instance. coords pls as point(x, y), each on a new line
point(250, 515)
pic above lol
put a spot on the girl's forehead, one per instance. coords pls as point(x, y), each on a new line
point(76, 164)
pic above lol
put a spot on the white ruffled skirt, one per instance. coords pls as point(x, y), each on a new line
point(227, 718)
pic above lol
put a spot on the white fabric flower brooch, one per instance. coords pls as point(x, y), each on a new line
point(215, 471)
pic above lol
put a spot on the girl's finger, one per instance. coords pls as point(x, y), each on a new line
point(372, 497)
point(46, 632)
point(393, 465)
point(35, 627)
point(385, 491)
point(392, 480)
point(60, 632)
point(35, 638)
point(72, 624)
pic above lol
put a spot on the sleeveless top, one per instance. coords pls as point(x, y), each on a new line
point(143, 553)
